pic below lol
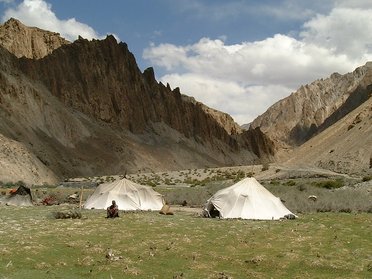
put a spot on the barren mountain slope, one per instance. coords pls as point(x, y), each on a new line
point(17, 163)
point(344, 147)
point(314, 107)
point(86, 109)
point(30, 42)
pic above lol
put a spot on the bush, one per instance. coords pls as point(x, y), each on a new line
point(274, 182)
point(150, 183)
point(366, 178)
point(301, 187)
point(265, 166)
point(290, 183)
point(345, 210)
point(330, 184)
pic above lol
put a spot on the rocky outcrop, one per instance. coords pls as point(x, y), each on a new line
point(30, 42)
point(315, 107)
point(86, 109)
point(102, 80)
point(223, 119)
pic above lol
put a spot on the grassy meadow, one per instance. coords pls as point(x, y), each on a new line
point(148, 245)
point(332, 238)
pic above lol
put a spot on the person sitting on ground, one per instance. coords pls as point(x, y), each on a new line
point(112, 210)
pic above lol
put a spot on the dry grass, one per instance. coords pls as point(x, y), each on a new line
point(331, 239)
point(150, 245)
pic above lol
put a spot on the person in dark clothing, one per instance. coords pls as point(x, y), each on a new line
point(112, 210)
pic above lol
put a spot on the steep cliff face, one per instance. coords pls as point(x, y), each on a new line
point(102, 80)
point(223, 119)
point(30, 42)
point(315, 107)
point(86, 109)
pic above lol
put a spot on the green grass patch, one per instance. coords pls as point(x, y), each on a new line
point(149, 245)
point(330, 184)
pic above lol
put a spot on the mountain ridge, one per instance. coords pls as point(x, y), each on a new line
point(86, 109)
point(30, 42)
point(315, 106)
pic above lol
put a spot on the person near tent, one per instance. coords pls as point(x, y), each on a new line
point(113, 210)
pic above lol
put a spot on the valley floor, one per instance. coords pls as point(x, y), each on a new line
point(148, 245)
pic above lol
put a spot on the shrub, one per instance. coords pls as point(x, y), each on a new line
point(8, 185)
point(169, 181)
point(324, 208)
point(290, 183)
point(330, 184)
point(301, 187)
point(150, 183)
point(274, 182)
point(366, 178)
point(345, 210)
point(265, 166)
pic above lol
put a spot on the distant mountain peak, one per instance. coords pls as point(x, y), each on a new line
point(316, 106)
point(29, 42)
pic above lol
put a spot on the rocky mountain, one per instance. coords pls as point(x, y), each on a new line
point(326, 124)
point(315, 107)
point(30, 42)
point(85, 108)
point(344, 147)
point(224, 119)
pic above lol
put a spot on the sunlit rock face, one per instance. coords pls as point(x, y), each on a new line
point(85, 108)
point(316, 106)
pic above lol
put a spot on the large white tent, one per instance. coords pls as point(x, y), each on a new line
point(247, 199)
point(127, 194)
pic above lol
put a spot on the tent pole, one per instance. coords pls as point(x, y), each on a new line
point(81, 197)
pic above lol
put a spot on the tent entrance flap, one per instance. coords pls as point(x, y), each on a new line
point(210, 211)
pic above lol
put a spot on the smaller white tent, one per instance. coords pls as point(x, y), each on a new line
point(127, 194)
point(247, 199)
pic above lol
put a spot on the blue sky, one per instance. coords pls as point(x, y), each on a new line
point(233, 55)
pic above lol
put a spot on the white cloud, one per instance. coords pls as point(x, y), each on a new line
point(245, 79)
point(244, 101)
point(39, 13)
point(344, 30)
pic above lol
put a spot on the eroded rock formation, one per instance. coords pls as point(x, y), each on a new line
point(86, 109)
point(30, 42)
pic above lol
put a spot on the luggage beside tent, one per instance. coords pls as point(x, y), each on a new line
point(247, 199)
point(127, 194)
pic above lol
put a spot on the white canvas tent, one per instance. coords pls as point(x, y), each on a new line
point(247, 199)
point(127, 194)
